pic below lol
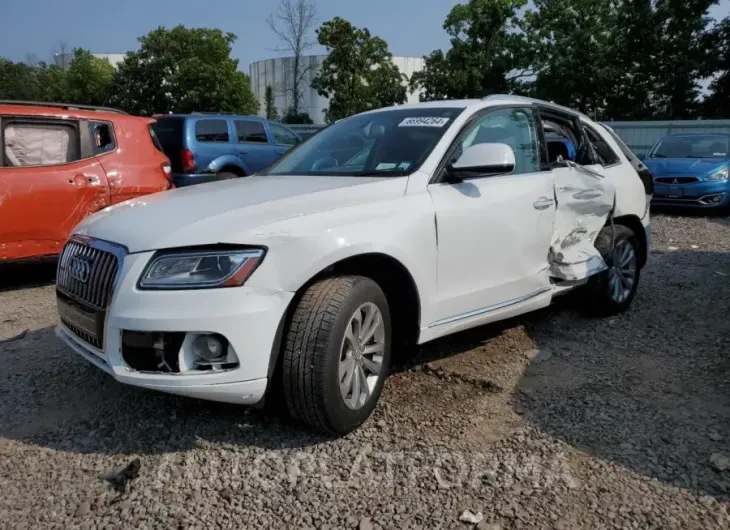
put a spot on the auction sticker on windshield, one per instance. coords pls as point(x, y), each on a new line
point(424, 122)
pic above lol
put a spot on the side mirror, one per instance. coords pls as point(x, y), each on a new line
point(641, 156)
point(483, 159)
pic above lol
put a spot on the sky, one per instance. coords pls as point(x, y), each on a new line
point(36, 27)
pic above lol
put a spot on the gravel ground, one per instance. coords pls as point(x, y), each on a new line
point(548, 421)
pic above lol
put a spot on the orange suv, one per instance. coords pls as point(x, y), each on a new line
point(60, 163)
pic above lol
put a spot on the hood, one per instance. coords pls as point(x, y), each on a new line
point(661, 167)
point(221, 212)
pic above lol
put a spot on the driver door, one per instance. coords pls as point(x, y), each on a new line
point(494, 232)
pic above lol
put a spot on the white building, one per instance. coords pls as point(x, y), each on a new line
point(278, 73)
point(63, 60)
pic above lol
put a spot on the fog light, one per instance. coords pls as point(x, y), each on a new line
point(210, 347)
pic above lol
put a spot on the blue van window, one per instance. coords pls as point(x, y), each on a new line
point(211, 130)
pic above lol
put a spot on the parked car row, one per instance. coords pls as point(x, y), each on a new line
point(60, 163)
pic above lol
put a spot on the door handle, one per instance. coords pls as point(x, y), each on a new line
point(243, 152)
point(543, 203)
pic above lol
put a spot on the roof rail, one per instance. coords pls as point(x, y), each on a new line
point(68, 106)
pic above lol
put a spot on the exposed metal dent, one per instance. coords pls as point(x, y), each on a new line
point(585, 199)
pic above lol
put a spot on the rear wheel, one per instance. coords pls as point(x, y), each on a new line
point(612, 291)
point(337, 353)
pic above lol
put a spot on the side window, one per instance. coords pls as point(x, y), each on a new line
point(39, 143)
point(211, 131)
point(515, 127)
point(102, 137)
point(283, 136)
point(606, 155)
point(251, 132)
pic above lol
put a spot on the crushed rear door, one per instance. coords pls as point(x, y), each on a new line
point(585, 199)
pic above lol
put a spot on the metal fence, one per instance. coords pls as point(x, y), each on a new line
point(640, 136)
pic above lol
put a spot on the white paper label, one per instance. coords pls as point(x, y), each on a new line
point(384, 166)
point(424, 122)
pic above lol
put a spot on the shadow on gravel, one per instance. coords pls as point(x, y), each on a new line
point(649, 389)
point(24, 275)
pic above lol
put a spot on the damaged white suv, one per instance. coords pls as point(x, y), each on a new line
point(392, 227)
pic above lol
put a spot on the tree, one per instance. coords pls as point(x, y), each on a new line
point(18, 81)
point(88, 79)
point(717, 103)
point(572, 52)
point(488, 53)
point(681, 56)
point(182, 70)
point(271, 112)
point(293, 24)
point(359, 73)
point(294, 118)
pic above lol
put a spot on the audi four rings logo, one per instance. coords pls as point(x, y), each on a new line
point(79, 269)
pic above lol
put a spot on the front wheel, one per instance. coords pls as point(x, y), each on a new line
point(337, 353)
point(612, 291)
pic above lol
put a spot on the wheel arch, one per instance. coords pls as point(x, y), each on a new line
point(393, 277)
point(635, 225)
point(227, 163)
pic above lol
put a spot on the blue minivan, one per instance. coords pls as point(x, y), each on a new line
point(205, 147)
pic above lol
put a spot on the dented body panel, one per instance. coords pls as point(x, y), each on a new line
point(584, 202)
point(43, 197)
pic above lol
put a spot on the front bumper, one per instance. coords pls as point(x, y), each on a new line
point(702, 194)
point(248, 318)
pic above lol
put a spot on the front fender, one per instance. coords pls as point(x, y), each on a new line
point(228, 160)
point(299, 249)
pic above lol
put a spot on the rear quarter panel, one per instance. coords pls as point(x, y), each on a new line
point(210, 157)
point(134, 168)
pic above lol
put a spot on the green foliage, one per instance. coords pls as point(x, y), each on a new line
point(18, 81)
point(293, 117)
point(88, 79)
point(271, 112)
point(359, 73)
point(717, 104)
point(488, 53)
point(613, 59)
point(183, 70)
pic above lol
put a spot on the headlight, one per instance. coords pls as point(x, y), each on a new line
point(719, 175)
point(200, 269)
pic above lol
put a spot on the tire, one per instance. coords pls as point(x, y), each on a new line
point(602, 297)
point(314, 345)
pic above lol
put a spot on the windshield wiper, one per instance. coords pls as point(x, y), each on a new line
point(657, 155)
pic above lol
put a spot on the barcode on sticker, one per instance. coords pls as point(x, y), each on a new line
point(424, 122)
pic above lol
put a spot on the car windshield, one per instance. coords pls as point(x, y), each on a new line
point(389, 143)
point(700, 146)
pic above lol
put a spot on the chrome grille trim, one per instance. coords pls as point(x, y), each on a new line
point(103, 261)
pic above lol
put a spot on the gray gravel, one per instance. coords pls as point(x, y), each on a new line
point(548, 421)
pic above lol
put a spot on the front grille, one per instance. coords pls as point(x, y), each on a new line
point(87, 274)
point(676, 180)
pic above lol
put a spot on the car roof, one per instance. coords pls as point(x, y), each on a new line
point(207, 115)
point(488, 101)
point(68, 110)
